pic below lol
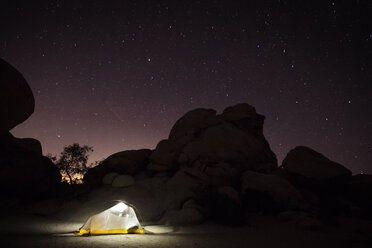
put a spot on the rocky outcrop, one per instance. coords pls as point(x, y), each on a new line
point(203, 158)
point(310, 167)
point(25, 173)
point(16, 99)
point(235, 137)
point(269, 192)
point(359, 191)
point(206, 153)
point(220, 166)
point(109, 177)
point(122, 181)
point(126, 163)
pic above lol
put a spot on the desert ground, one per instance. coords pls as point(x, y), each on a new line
point(26, 230)
point(51, 224)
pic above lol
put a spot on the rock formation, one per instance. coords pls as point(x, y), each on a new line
point(127, 162)
point(314, 168)
point(203, 158)
point(17, 101)
point(202, 137)
point(211, 166)
point(220, 166)
point(25, 173)
point(269, 192)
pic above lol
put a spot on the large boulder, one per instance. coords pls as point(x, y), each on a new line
point(16, 99)
point(309, 166)
point(164, 156)
point(235, 137)
point(206, 154)
point(187, 128)
point(201, 162)
point(186, 184)
point(220, 174)
point(189, 125)
point(128, 162)
point(325, 181)
point(183, 192)
point(244, 116)
point(109, 177)
point(122, 181)
point(189, 214)
point(360, 192)
point(223, 205)
point(229, 144)
point(269, 192)
point(24, 172)
point(301, 220)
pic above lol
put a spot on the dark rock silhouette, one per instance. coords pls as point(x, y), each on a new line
point(260, 189)
point(122, 181)
point(126, 162)
point(203, 158)
point(360, 193)
point(322, 182)
point(25, 173)
point(310, 167)
point(234, 137)
point(16, 99)
point(215, 165)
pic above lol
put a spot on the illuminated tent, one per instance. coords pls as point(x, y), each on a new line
point(119, 219)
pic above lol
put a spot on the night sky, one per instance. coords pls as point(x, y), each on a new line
point(116, 75)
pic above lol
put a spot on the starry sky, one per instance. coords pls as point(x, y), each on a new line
point(116, 75)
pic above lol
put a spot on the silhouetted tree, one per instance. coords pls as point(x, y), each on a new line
point(73, 161)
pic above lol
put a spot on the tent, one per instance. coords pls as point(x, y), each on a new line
point(119, 219)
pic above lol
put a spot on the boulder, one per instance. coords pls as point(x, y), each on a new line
point(24, 172)
point(360, 193)
point(16, 99)
point(223, 205)
point(309, 166)
point(291, 215)
point(192, 123)
point(234, 137)
point(301, 220)
point(226, 143)
point(50, 176)
point(244, 116)
point(221, 174)
point(187, 128)
point(164, 156)
point(109, 177)
point(154, 168)
point(361, 185)
point(186, 184)
point(230, 193)
point(24, 145)
point(122, 181)
point(189, 214)
point(128, 162)
point(269, 192)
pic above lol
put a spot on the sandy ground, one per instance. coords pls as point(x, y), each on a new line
point(19, 230)
point(51, 223)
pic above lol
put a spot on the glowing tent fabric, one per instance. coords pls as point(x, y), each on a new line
point(119, 219)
